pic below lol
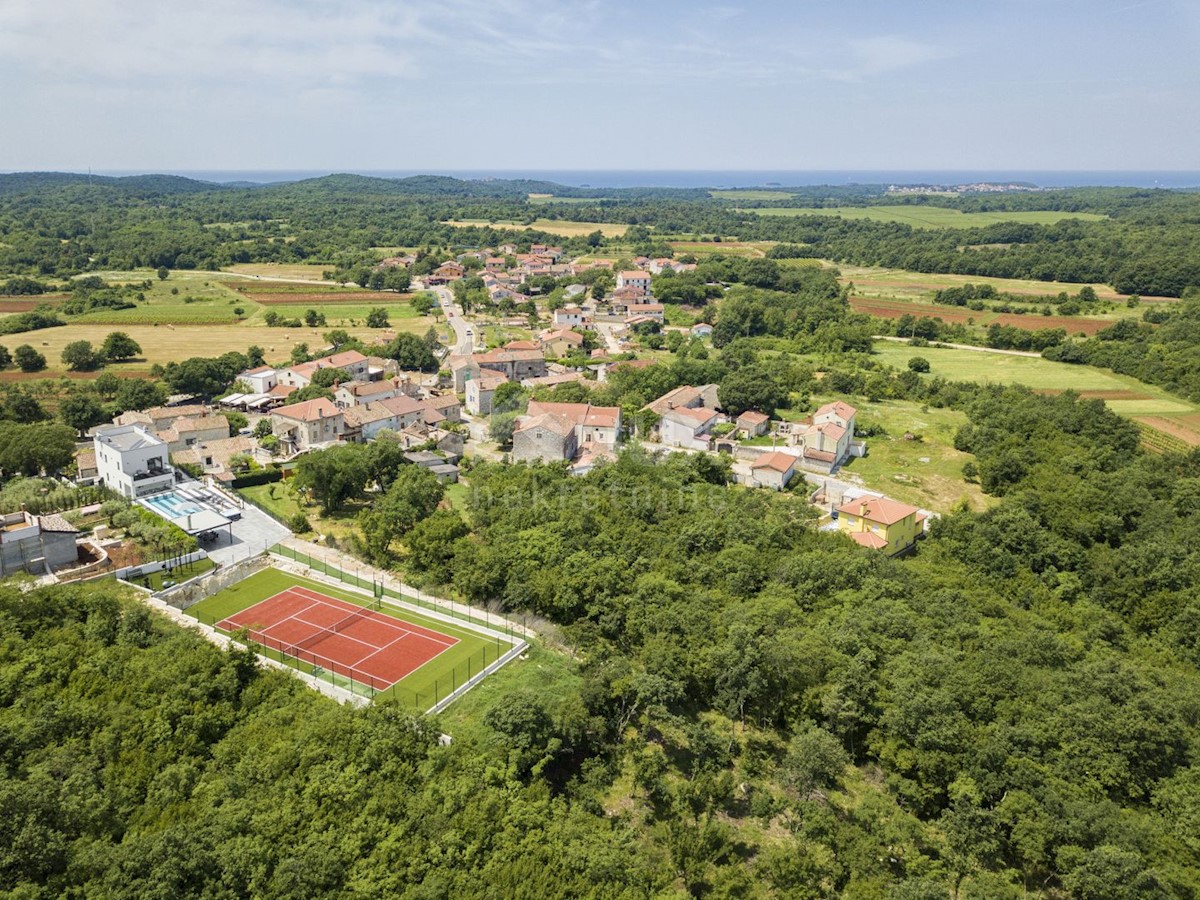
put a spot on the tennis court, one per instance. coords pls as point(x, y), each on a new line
point(358, 642)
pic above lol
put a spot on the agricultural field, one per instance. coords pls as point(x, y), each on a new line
point(756, 249)
point(287, 271)
point(901, 284)
point(550, 226)
point(935, 217)
point(960, 315)
point(199, 319)
point(167, 343)
point(1143, 403)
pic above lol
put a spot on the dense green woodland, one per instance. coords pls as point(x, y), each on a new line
point(63, 224)
point(752, 709)
point(745, 707)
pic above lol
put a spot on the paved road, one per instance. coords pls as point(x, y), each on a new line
point(464, 343)
point(605, 330)
point(935, 344)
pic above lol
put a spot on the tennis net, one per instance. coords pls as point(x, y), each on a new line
point(335, 628)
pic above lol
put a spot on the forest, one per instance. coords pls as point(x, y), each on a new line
point(62, 225)
point(725, 702)
point(750, 708)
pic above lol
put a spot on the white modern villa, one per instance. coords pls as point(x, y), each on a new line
point(132, 461)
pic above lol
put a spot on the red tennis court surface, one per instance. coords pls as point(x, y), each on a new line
point(354, 641)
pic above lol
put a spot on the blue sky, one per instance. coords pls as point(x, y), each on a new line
point(497, 84)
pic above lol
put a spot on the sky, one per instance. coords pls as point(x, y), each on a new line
point(360, 85)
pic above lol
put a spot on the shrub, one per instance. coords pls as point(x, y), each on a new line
point(299, 523)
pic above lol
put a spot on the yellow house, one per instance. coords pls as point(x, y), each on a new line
point(881, 524)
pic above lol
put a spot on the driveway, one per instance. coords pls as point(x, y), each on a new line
point(253, 533)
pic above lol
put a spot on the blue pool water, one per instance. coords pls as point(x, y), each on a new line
point(173, 505)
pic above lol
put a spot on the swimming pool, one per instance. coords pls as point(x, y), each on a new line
point(172, 505)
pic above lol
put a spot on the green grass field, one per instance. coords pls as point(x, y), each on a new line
point(925, 471)
point(550, 226)
point(419, 689)
point(997, 368)
point(926, 216)
point(901, 284)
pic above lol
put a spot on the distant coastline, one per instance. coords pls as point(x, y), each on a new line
point(681, 178)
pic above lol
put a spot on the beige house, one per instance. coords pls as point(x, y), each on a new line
point(774, 469)
point(303, 426)
point(481, 390)
point(516, 364)
point(352, 393)
point(554, 431)
point(352, 362)
point(186, 432)
point(213, 456)
point(753, 424)
point(159, 417)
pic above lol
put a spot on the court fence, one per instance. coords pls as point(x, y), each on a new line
point(446, 688)
point(367, 579)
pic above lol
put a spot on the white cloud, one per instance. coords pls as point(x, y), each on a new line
point(884, 54)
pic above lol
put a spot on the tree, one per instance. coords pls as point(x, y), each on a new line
point(28, 359)
point(501, 427)
point(33, 449)
point(413, 495)
point(751, 387)
point(310, 392)
point(119, 346)
point(299, 353)
point(423, 303)
point(81, 356)
point(526, 727)
point(240, 462)
point(329, 376)
point(377, 318)
point(262, 428)
point(81, 410)
point(411, 353)
point(918, 364)
point(334, 476)
point(22, 406)
point(337, 338)
point(137, 393)
point(314, 319)
point(163, 272)
point(256, 356)
point(432, 543)
point(5, 357)
point(237, 421)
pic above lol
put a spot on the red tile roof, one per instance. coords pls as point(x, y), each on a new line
point(845, 410)
point(866, 539)
point(308, 410)
point(878, 509)
point(777, 460)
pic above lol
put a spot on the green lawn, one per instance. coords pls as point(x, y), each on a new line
point(279, 500)
point(418, 689)
point(925, 471)
point(997, 368)
point(927, 216)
